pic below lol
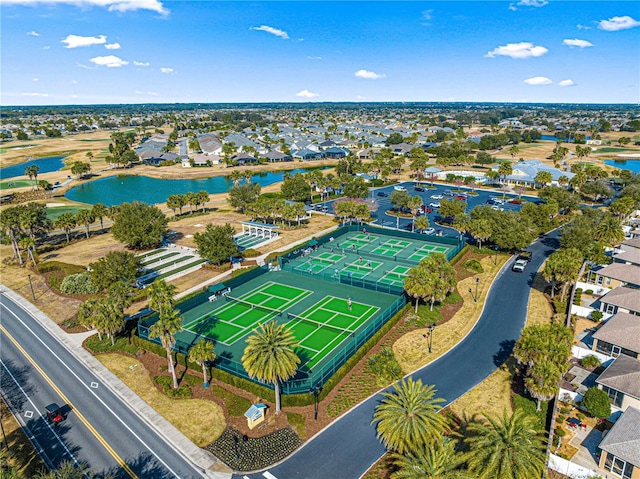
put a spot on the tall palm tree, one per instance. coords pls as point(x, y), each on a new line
point(85, 218)
point(99, 211)
point(168, 324)
point(609, 231)
point(418, 284)
point(509, 447)
point(543, 381)
point(161, 296)
point(270, 355)
point(203, 352)
point(407, 419)
point(438, 461)
point(28, 243)
point(235, 176)
point(415, 203)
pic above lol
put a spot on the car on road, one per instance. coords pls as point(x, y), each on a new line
point(436, 197)
point(428, 231)
point(383, 194)
point(419, 189)
point(460, 197)
point(497, 208)
point(399, 188)
point(54, 414)
point(447, 193)
point(434, 204)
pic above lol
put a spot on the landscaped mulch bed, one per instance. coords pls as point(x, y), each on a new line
point(243, 453)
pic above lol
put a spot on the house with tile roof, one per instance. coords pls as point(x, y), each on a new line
point(275, 156)
point(621, 446)
point(620, 334)
point(615, 274)
point(621, 381)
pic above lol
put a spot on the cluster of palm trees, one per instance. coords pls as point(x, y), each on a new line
point(86, 217)
point(191, 199)
point(409, 424)
point(21, 224)
point(271, 210)
point(431, 280)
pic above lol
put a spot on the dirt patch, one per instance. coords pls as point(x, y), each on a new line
point(539, 310)
point(21, 453)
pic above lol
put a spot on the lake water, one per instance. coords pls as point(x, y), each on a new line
point(631, 165)
point(46, 165)
point(115, 190)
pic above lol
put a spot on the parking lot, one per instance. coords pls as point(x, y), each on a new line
point(440, 191)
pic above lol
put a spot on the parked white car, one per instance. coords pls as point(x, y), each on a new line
point(436, 197)
point(399, 188)
point(429, 231)
point(435, 204)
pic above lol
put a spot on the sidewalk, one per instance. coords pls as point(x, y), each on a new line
point(209, 465)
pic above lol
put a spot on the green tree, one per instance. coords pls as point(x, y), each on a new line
point(235, 176)
point(543, 381)
point(243, 195)
point(407, 418)
point(66, 222)
point(420, 284)
point(169, 323)
point(394, 139)
point(415, 203)
point(203, 352)
point(10, 223)
point(116, 266)
point(422, 222)
point(176, 202)
point(513, 151)
point(191, 199)
point(99, 211)
point(33, 218)
point(543, 178)
point(439, 460)
point(399, 199)
point(161, 296)
point(295, 188)
point(562, 267)
point(216, 243)
point(356, 188)
point(505, 169)
point(202, 198)
point(452, 209)
point(480, 229)
point(85, 218)
point(270, 355)
point(609, 231)
point(596, 402)
point(622, 207)
point(139, 225)
point(80, 168)
point(509, 447)
point(32, 173)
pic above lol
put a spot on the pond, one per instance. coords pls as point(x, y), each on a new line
point(46, 165)
point(115, 190)
point(631, 165)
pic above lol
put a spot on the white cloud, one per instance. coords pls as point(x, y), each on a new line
point(111, 5)
point(618, 23)
point(533, 3)
point(112, 46)
point(306, 94)
point(427, 16)
point(141, 64)
point(577, 43)
point(36, 79)
point(538, 81)
point(512, 7)
point(46, 47)
point(110, 61)
point(273, 31)
point(75, 41)
point(74, 82)
point(33, 33)
point(314, 58)
point(150, 93)
point(582, 27)
point(517, 50)
point(85, 66)
point(34, 94)
point(566, 83)
point(166, 70)
point(369, 75)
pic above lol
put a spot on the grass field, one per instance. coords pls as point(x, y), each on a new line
point(9, 184)
point(53, 213)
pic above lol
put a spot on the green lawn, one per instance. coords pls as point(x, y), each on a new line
point(55, 212)
point(9, 184)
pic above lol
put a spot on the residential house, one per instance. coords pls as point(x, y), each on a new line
point(306, 155)
point(209, 144)
point(620, 334)
point(242, 142)
point(157, 159)
point(621, 300)
point(621, 381)
point(274, 156)
point(621, 446)
point(336, 152)
point(401, 149)
point(242, 159)
point(616, 274)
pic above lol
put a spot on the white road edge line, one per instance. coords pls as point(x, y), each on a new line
point(92, 391)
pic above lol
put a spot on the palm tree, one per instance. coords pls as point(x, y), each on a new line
point(203, 352)
point(235, 176)
point(99, 211)
point(270, 356)
point(509, 447)
point(66, 222)
point(609, 231)
point(161, 296)
point(86, 218)
point(418, 283)
point(168, 324)
point(28, 243)
point(407, 419)
point(32, 173)
point(438, 461)
point(415, 203)
point(480, 229)
point(513, 151)
point(543, 381)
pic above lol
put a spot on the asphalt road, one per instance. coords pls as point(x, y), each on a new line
point(100, 430)
point(348, 447)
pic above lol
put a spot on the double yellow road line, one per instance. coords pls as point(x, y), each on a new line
point(93, 431)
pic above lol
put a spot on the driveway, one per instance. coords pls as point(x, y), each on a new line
point(348, 446)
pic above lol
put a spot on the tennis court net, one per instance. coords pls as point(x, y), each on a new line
point(254, 306)
point(393, 276)
point(318, 324)
point(322, 261)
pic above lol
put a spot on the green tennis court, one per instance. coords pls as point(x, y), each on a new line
point(392, 247)
point(424, 252)
point(357, 241)
point(360, 268)
point(318, 263)
point(237, 316)
point(325, 325)
point(395, 276)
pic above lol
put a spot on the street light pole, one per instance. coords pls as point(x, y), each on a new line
point(429, 334)
point(315, 390)
point(476, 296)
point(495, 258)
point(33, 295)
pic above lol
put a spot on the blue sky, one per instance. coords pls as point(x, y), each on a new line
point(153, 51)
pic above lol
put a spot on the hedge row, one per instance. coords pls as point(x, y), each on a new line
point(288, 400)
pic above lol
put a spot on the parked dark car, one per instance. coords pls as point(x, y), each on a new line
point(382, 193)
point(55, 415)
point(419, 188)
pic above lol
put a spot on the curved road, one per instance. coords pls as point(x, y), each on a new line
point(100, 430)
point(348, 447)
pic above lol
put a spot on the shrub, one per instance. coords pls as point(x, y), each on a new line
point(79, 283)
point(596, 402)
point(561, 419)
point(580, 416)
point(236, 405)
point(590, 361)
point(384, 366)
point(250, 253)
point(597, 316)
point(589, 291)
point(166, 382)
point(474, 266)
point(560, 432)
point(565, 410)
